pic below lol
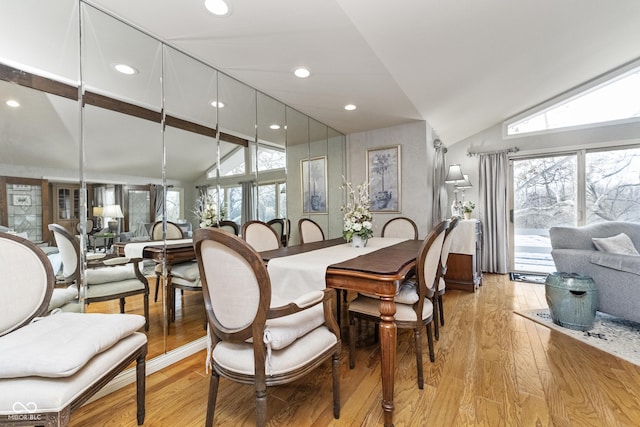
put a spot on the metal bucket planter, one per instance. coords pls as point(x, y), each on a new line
point(572, 299)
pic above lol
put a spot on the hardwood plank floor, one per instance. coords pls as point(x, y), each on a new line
point(492, 368)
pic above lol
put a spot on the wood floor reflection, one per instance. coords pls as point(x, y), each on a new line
point(188, 325)
point(492, 368)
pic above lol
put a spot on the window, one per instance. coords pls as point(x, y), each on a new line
point(556, 190)
point(613, 100)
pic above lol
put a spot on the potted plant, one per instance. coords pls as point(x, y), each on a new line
point(467, 208)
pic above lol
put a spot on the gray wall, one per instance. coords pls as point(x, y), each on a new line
point(416, 151)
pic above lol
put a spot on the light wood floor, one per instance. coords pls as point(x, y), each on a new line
point(492, 368)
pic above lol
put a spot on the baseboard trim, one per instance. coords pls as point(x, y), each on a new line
point(157, 363)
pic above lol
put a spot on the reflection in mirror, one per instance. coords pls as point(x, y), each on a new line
point(297, 151)
point(123, 150)
point(336, 170)
point(271, 157)
point(318, 207)
point(237, 122)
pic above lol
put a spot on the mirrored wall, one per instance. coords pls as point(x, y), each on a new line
point(86, 136)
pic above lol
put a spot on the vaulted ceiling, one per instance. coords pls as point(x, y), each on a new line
point(461, 65)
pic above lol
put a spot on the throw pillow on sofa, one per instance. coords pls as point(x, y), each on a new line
point(618, 244)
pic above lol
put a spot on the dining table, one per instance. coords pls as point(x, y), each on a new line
point(377, 269)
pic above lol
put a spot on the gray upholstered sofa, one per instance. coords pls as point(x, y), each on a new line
point(616, 275)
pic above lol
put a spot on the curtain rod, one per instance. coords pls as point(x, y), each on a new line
point(508, 150)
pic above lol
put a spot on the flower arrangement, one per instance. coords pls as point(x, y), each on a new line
point(357, 215)
point(468, 206)
point(206, 210)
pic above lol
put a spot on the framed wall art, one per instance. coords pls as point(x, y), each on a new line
point(314, 185)
point(383, 176)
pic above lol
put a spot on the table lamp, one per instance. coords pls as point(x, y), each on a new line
point(455, 177)
point(114, 212)
point(97, 216)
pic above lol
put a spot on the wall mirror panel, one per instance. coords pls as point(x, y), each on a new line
point(297, 152)
point(151, 142)
point(272, 162)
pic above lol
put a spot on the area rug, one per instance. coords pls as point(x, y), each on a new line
point(610, 334)
point(529, 278)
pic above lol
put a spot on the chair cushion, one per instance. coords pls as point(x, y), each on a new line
point(407, 293)
point(60, 344)
point(95, 276)
point(618, 244)
point(239, 357)
point(187, 270)
point(283, 331)
point(54, 394)
point(404, 312)
point(61, 296)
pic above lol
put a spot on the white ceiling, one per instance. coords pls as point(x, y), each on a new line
point(461, 65)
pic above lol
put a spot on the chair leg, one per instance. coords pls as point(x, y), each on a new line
point(441, 309)
point(417, 336)
point(121, 305)
point(430, 342)
point(435, 316)
point(336, 385)
point(352, 341)
point(213, 395)
point(146, 311)
point(140, 387)
point(158, 278)
point(261, 405)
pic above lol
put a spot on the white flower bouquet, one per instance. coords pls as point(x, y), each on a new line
point(206, 210)
point(468, 206)
point(357, 217)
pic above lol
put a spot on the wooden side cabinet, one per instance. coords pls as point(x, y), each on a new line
point(464, 271)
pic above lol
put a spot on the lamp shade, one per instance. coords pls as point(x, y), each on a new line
point(112, 211)
point(464, 184)
point(454, 175)
point(97, 210)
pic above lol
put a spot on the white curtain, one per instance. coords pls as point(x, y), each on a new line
point(494, 174)
point(440, 199)
point(247, 201)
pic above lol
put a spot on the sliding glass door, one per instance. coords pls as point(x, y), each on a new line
point(569, 189)
point(544, 194)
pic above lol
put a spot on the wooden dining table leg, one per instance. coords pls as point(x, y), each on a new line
point(388, 341)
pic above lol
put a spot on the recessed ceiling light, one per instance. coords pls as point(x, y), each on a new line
point(275, 127)
point(302, 72)
point(217, 104)
point(350, 107)
point(218, 7)
point(125, 69)
point(13, 103)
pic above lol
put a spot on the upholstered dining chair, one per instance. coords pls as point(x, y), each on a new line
point(400, 227)
point(115, 278)
point(282, 227)
point(260, 236)
point(50, 365)
point(414, 307)
point(173, 231)
point(252, 342)
point(229, 226)
point(310, 231)
point(438, 305)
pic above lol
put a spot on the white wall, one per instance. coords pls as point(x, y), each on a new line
point(416, 152)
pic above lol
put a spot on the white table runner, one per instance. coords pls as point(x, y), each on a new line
point(135, 249)
point(295, 275)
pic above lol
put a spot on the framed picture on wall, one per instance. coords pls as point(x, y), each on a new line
point(314, 185)
point(383, 176)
